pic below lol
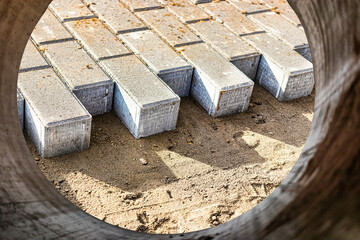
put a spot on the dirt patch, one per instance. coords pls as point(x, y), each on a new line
point(204, 173)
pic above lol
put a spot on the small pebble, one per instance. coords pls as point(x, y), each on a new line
point(143, 161)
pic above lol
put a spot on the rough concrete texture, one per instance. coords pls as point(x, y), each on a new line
point(169, 27)
point(250, 7)
point(305, 52)
point(70, 10)
point(116, 16)
point(185, 11)
point(141, 5)
point(21, 108)
point(82, 75)
point(219, 87)
point(224, 13)
point(48, 30)
point(285, 78)
point(55, 120)
point(143, 114)
point(97, 39)
point(283, 8)
point(32, 59)
point(162, 60)
point(286, 31)
point(317, 200)
point(95, 89)
point(234, 49)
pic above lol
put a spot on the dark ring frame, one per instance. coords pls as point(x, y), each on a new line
point(319, 199)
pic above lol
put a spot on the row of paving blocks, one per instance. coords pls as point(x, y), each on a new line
point(140, 64)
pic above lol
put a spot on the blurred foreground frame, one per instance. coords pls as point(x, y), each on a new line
point(319, 199)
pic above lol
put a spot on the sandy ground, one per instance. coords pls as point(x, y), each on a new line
point(206, 172)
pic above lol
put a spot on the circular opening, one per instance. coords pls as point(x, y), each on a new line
point(318, 198)
point(207, 171)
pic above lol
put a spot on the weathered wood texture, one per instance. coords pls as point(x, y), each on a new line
point(318, 200)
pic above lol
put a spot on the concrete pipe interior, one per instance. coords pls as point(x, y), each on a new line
point(318, 199)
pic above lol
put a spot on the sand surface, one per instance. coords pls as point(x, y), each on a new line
point(206, 172)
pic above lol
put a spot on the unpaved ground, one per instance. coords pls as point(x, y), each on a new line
point(202, 174)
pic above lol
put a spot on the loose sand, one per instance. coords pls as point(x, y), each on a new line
point(206, 172)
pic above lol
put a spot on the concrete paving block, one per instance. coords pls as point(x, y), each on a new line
point(144, 103)
point(282, 71)
point(185, 11)
point(219, 87)
point(250, 6)
point(305, 52)
point(116, 16)
point(82, 75)
point(234, 49)
point(284, 9)
point(236, 21)
point(97, 39)
point(162, 60)
point(49, 30)
point(284, 30)
point(32, 59)
point(55, 120)
point(70, 10)
point(141, 5)
point(169, 27)
point(21, 108)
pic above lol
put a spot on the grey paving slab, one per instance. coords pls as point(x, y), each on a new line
point(144, 103)
point(282, 71)
point(219, 87)
point(250, 6)
point(283, 8)
point(185, 11)
point(55, 120)
point(32, 59)
point(49, 30)
point(82, 75)
point(305, 52)
point(21, 108)
point(233, 19)
point(116, 16)
point(234, 49)
point(169, 27)
point(286, 31)
point(162, 59)
point(70, 10)
point(141, 5)
point(97, 39)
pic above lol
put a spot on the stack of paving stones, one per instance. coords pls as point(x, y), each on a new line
point(138, 57)
point(144, 103)
point(55, 120)
point(80, 73)
point(282, 70)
